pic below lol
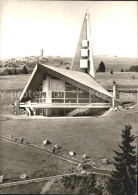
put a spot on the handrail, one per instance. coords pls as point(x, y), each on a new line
point(66, 104)
point(83, 104)
point(78, 110)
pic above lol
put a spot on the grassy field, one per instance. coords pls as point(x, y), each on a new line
point(13, 82)
point(97, 137)
point(121, 78)
point(31, 188)
point(17, 160)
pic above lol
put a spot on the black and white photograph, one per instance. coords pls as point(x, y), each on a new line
point(68, 97)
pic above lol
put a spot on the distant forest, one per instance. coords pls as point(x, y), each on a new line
point(133, 69)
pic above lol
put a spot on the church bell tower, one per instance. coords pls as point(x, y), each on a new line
point(83, 59)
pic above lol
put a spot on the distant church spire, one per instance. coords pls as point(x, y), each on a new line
point(83, 59)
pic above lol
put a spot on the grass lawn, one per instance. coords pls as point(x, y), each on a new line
point(31, 188)
point(13, 82)
point(17, 160)
point(121, 78)
point(96, 137)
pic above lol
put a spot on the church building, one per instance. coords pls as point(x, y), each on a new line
point(53, 91)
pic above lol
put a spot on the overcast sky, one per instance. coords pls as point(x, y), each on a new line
point(28, 26)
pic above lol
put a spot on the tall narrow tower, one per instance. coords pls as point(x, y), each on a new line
point(83, 59)
point(42, 52)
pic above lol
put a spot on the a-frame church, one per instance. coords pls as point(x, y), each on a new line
point(53, 91)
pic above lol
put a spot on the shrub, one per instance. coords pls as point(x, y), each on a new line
point(7, 71)
point(14, 71)
point(81, 184)
point(111, 72)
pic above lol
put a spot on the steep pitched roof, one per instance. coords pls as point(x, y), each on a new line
point(80, 77)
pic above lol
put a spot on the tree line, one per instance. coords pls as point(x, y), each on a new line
point(15, 71)
point(24, 70)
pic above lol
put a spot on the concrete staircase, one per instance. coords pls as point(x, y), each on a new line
point(77, 111)
point(30, 111)
point(87, 108)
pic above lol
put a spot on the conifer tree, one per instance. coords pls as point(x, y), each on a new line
point(123, 179)
point(101, 67)
point(24, 70)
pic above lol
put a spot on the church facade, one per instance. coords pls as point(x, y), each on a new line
point(53, 91)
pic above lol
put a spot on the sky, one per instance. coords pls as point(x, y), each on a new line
point(27, 26)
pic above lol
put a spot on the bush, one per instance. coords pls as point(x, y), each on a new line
point(30, 70)
point(14, 71)
point(7, 71)
point(30, 64)
point(81, 184)
point(19, 71)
